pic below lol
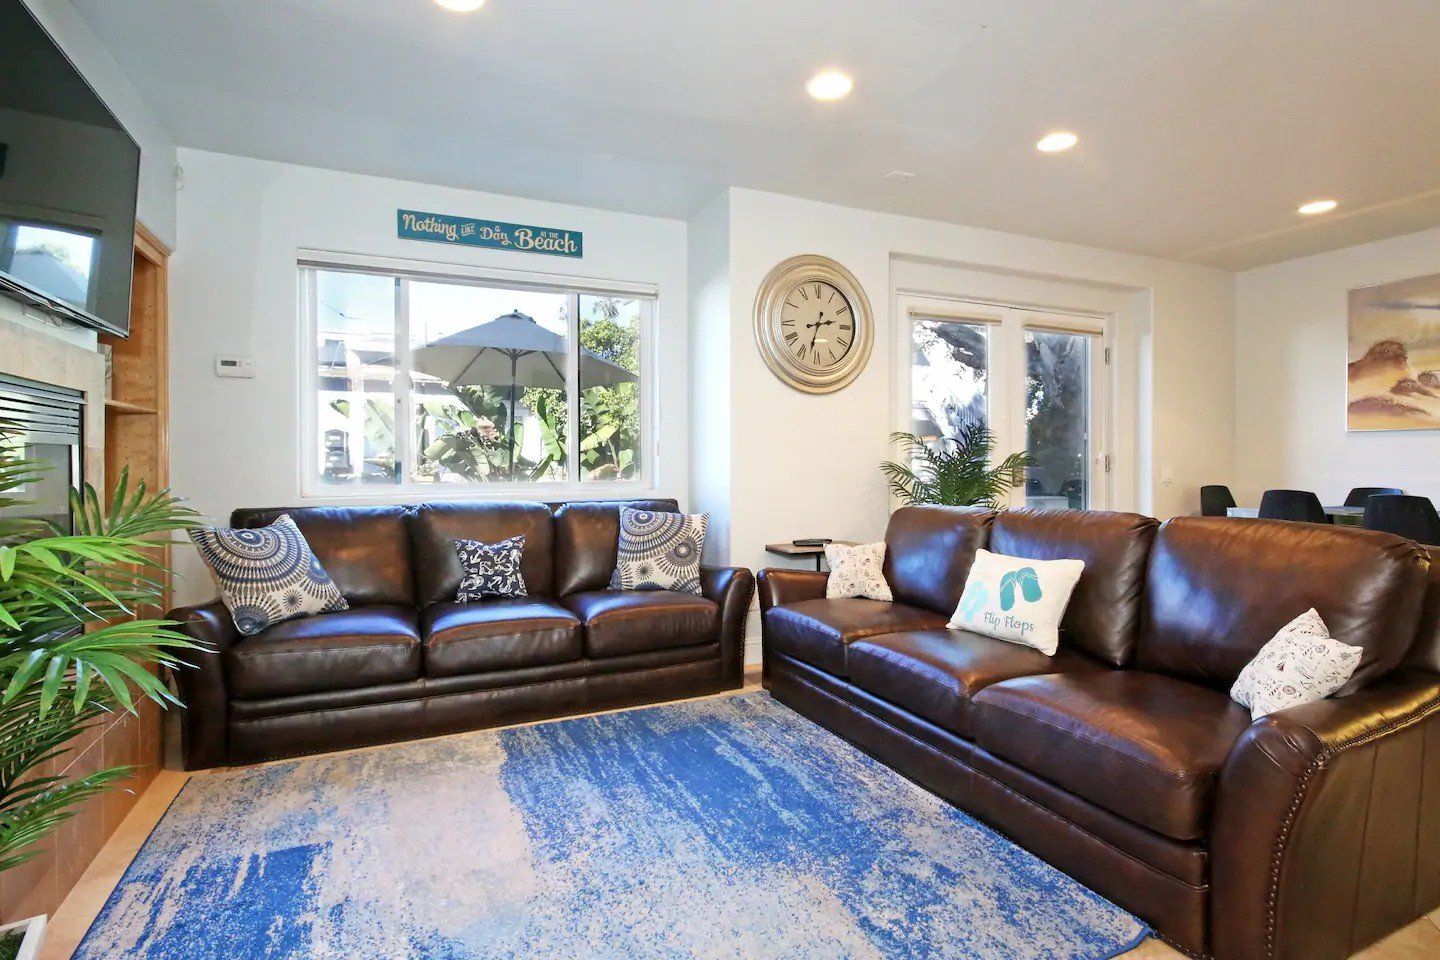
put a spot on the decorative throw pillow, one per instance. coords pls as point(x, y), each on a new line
point(857, 571)
point(1015, 599)
point(267, 575)
point(659, 551)
point(1300, 664)
point(491, 569)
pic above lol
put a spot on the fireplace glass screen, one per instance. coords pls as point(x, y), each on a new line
point(43, 422)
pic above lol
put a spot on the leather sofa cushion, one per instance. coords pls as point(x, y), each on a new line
point(1103, 616)
point(618, 622)
point(1218, 589)
point(928, 551)
point(359, 647)
point(819, 631)
point(434, 528)
point(366, 550)
point(497, 634)
point(587, 536)
point(1141, 745)
point(934, 673)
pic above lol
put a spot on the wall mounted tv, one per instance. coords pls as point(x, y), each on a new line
point(68, 179)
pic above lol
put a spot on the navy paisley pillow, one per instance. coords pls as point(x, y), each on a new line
point(659, 551)
point(267, 575)
point(491, 569)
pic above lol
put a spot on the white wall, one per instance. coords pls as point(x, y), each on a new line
point(712, 421)
point(804, 465)
point(233, 291)
point(1290, 362)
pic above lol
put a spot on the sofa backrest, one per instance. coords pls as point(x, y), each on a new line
point(928, 552)
point(366, 550)
point(587, 536)
point(1103, 617)
point(1218, 589)
point(434, 528)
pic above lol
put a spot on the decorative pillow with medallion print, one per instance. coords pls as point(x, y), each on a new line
point(491, 569)
point(857, 570)
point(1300, 664)
point(266, 575)
point(659, 551)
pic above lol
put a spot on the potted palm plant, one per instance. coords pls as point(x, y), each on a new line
point(74, 647)
point(954, 471)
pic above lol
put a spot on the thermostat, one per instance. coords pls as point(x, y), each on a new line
point(240, 367)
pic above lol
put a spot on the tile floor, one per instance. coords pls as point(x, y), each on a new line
point(1419, 941)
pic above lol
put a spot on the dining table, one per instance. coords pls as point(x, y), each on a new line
point(1347, 516)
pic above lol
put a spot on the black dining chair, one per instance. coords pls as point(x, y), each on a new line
point(1412, 517)
point(1292, 505)
point(1215, 499)
point(1359, 495)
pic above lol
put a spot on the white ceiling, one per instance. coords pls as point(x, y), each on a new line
point(1203, 123)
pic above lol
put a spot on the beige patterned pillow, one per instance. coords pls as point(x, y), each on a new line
point(857, 571)
point(1300, 664)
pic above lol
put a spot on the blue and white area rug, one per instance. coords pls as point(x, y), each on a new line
point(722, 828)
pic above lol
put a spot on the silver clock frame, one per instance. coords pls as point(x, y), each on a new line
point(769, 336)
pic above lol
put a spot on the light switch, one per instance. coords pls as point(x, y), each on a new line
point(1167, 474)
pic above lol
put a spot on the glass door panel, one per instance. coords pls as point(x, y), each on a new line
point(949, 377)
point(1059, 419)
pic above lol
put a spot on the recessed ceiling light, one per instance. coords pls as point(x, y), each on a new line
point(903, 176)
point(1316, 207)
point(1057, 142)
point(830, 85)
point(461, 6)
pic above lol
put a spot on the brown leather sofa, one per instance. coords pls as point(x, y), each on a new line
point(407, 661)
point(1305, 835)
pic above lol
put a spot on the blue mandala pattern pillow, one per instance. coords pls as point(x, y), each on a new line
point(267, 575)
point(491, 569)
point(659, 551)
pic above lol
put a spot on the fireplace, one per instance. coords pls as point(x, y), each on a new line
point(46, 422)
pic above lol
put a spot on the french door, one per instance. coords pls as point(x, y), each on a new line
point(1036, 379)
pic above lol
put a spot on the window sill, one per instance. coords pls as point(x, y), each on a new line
point(437, 493)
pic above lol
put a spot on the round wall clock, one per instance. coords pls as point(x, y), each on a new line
point(813, 324)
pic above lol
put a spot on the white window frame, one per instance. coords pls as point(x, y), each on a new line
point(313, 486)
point(1006, 377)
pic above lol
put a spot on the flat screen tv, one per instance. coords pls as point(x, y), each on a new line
point(68, 179)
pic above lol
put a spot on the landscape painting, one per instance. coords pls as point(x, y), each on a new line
point(1394, 370)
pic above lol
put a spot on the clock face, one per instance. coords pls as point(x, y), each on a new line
point(817, 324)
point(813, 324)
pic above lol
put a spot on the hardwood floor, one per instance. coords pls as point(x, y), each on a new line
point(1419, 941)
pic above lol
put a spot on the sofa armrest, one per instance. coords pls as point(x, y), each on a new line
point(1327, 832)
point(732, 588)
point(782, 585)
point(201, 680)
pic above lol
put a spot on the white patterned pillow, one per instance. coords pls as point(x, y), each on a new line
point(1017, 599)
point(491, 569)
point(857, 571)
point(659, 550)
point(267, 575)
point(1300, 664)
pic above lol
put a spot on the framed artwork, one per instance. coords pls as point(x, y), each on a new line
point(1394, 369)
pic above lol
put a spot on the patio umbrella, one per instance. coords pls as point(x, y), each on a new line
point(513, 350)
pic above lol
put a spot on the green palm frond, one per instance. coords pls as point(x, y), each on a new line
point(72, 648)
point(955, 470)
